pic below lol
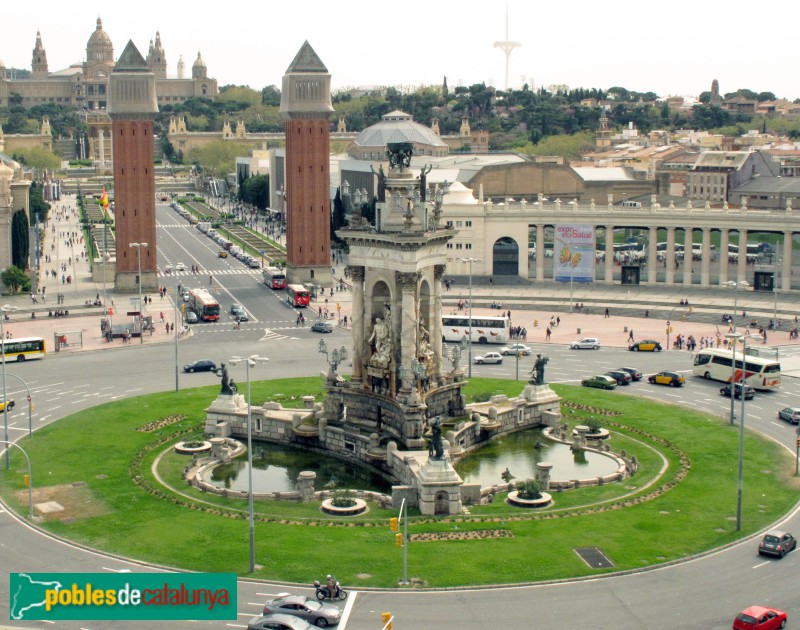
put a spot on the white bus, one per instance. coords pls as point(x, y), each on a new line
point(758, 372)
point(485, 329)
point(24, 348)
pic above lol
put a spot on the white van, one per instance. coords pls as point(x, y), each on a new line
point(236, 250)
point(211, 232)
point(204, 227)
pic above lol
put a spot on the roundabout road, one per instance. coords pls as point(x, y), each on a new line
point(703, 593)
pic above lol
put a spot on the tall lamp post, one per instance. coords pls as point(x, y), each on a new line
point(775, 305)
point(469, 343)
point(177, 332)
point(4, 310)
point(138, 247)
point(740, 481)
point(250, 361)
point(735, 285)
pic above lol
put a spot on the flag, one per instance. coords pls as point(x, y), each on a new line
point(104, 199)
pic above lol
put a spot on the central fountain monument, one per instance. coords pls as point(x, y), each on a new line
point(396, 266)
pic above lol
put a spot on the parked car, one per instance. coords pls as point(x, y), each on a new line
point(191, 317)
point(254, 263)
point(776, 543)
point(645, 345)
point(790, 414)
point(636, 375)
point(514, 348)
point(322, 326)
point(308, 609)
point(760, 618)
point(622, 378)
point(587, 343)
point(673, 379)
point(279, 621)
point(749, 392)
point(203, 365)
point(489, 357)
point(601, 381)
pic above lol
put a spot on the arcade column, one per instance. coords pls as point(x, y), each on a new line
point(741, 267)
point(609, 267)
point(688, 259)
point(724, 261)
point(786, 267)
point(705, 263)
point(669, 261)
point(356, 273)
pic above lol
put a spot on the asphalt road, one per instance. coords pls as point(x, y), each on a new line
point(703, 593)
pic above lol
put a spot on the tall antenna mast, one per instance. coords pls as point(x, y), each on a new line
point(507, 46)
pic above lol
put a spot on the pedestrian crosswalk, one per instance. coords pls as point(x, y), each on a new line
point(214, 272)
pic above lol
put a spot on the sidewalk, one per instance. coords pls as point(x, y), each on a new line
point(65, 269)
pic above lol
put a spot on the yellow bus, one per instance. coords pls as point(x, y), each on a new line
point(23, 348)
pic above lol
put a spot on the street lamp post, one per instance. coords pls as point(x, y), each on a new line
point(30, 403)
point(4, 310)
point(740, 480)
point(175, 321)
point(30, 474)
point(469, 352)
point(735, 286)
point(138, 247)
point(251, 360)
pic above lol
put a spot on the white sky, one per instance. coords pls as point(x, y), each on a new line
point(671, 48)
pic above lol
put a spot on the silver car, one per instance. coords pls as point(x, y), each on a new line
point(790, 414)
point(587, 343)
point(278, 622)
point(308, 609)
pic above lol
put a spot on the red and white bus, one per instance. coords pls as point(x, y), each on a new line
point(297, 295)
point(204, 304)
point(274, 278)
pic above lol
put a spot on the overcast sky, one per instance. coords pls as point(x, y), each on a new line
point(671, 48)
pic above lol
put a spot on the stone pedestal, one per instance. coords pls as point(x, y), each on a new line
point(305, 485)
point(539, 393)
point(220, 411)
point(543, 475)
point(439, 488)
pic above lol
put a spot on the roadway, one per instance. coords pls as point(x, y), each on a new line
point(705, 592)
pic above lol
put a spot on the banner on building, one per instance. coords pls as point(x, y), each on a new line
point(574, 253)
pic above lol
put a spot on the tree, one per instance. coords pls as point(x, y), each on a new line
point(15, 279)
point(255, 190)
point(444, 89)
point(271, 95)
point(38, 158)
point(337, 216)
point(38, 206)
point(19, 240)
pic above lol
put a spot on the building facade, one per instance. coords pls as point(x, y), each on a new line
point(132, 107)
point(306, 108)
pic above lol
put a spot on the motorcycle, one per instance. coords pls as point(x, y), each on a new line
point(323, 592)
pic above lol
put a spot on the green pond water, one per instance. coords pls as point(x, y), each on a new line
point(276, 467)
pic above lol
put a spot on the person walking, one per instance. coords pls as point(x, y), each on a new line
point(547, 334)
point(630, 335)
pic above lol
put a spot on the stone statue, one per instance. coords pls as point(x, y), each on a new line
point(382, 339)
point(222, 372)
point(423, 182)
point(537, 373)
point(435, 446)
point(399, 154)
point(381, 182)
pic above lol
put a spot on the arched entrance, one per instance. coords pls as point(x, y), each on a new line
point(505, 257)
point(442, 503)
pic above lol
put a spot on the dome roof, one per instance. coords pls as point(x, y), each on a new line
point(99, 37)
point(397, 126)
point(199, 63)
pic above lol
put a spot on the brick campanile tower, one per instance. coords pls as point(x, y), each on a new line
point(132, 106)
point(306, 108)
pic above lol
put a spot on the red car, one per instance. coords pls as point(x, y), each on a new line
point(760, 618)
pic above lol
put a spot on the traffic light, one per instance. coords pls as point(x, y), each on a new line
point(386, 617)
point(393, 523)
point(398, 540)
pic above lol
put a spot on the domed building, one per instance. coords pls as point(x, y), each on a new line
point(86, 84)
point(397, 126)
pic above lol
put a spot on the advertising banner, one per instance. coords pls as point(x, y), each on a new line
point(574, 253)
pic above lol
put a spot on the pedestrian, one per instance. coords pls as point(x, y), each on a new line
point(167, 325)
point(547, 334)
point(172, 327)
point(607, 315)
point(630, 335)
point(162, 317)
point(558, 320)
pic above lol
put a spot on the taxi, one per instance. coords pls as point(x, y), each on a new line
point(673, 379)
point(646, 345)
point(223, 253)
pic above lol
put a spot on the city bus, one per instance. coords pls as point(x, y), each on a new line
point(485, 329)
point(204, 304)
point(24, 348)
point(274, 278)
point(759, 372)
point(297, 295)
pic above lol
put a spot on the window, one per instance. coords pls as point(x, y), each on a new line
point(468, 223)
point(449, 245)
point(468, 246)
point(459, 246)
